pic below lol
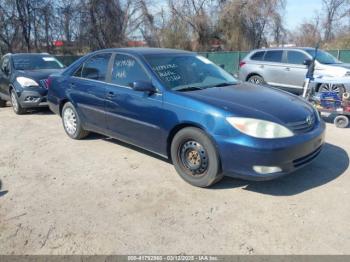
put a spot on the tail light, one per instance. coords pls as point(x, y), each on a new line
point(48, 82)
point(242, 63)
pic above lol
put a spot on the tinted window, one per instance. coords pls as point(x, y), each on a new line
point(181, 71)
point(258, 56)
point(295, 57)
point(96, 67)
point(323, 57)
point(273, 56)
point(127, 70)
point(36, 62)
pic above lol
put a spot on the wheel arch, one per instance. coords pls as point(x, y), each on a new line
point(61, 105)
point(253, 74)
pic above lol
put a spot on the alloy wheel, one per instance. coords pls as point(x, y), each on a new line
point(14, 101)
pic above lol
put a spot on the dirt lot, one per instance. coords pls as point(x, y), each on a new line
point(61, 196)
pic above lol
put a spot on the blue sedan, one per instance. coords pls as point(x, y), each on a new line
point(182, 106)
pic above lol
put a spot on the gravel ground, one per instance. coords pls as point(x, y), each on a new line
point(100, 196)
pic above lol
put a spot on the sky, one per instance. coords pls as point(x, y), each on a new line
point(299, 10)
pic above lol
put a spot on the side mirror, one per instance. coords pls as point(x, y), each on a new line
point(222, 66)
point(143, 86)
point(307, 62)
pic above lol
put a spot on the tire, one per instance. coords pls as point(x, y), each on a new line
point(2, 103)
point(195, 157)
point(16, 106)
point(257, 80)
point(341, 121)
point(71, 122)
point(339, 89)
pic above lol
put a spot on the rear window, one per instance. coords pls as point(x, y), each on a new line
point(274, 56)
point(258, 56)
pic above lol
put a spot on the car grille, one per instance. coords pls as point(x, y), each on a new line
point(44, 83)
point(302, 126)
point(306, 159)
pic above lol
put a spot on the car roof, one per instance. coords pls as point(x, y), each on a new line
point(29, 54)
point(284, 48)
point(146, 50)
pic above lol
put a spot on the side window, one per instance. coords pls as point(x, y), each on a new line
point(295, 57)
point(96, 67)
point(258, 56)
point(274, 56)
point(126, 70)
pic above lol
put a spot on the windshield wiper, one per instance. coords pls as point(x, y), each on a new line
point(221, 85)
point(187, 88)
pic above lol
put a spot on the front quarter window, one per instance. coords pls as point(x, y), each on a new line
point(181, 71)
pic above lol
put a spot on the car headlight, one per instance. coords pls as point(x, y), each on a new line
point(26, 82)
point(259, 128)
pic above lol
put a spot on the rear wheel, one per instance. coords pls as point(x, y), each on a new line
point(71, 122)
point(256, 79)
point(195, 158)
point(341, 121)
point(17, 108)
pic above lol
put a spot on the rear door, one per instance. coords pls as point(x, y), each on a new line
point(294, 69)
point(87, 90)
point(273, 67)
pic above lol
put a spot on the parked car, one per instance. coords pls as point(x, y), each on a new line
point(23, 79)
point(185, 108)
point(286, 68)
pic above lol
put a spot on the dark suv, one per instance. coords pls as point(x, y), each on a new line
point(24, 79)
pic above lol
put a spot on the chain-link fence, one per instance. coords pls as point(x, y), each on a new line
point(229, 60)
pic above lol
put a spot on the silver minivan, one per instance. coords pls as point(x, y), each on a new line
point(286, 68)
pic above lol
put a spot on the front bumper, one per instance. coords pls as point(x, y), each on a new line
point(33, 98)
point(240, 154)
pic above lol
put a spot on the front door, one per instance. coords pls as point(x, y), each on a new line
point(295, 70)
point(133, 116)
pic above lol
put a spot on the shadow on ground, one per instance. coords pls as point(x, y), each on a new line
point(332, 162)
point(2, 193)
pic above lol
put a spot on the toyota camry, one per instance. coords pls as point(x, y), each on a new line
point(180, 105)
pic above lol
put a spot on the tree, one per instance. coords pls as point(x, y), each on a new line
point(334, 10)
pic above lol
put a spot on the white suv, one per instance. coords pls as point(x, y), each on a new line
point(285, 68)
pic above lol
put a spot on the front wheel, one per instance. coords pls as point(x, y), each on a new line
point(71, 122)
point(337, 88)
point(17, 108)
point(195, 158)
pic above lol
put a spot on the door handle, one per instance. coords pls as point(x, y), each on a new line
point(287, 69)
point(262, 66)
point(110, 94)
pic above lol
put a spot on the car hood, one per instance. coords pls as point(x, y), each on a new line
point(38, 74)
point(248, 100)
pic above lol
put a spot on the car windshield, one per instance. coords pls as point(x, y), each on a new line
point(323, 57)
point(36, 62)
point(188, 72)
